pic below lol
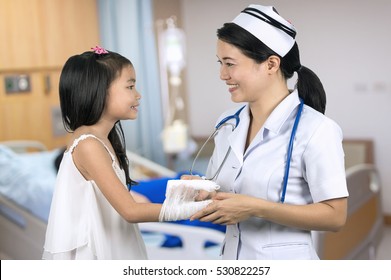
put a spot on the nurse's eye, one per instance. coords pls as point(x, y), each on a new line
point(219, 62)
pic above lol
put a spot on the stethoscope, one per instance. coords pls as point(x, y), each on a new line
point(235, 116)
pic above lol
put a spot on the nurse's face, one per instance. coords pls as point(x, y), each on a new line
point(246, 79)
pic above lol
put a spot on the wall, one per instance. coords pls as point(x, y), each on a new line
point(37, 37)
point(342, 41)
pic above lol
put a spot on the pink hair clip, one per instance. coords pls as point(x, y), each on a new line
point(99, 50)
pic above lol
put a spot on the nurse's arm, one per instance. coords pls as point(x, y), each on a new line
point(328, 215)
point(228, 208)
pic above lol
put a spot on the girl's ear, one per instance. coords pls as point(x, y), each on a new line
point(273, 63)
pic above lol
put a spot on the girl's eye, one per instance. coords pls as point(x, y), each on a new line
point(130, 87)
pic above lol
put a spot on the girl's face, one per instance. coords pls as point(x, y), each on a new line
point(123, 98)
point(245, 78)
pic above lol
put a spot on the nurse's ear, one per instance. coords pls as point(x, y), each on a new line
point(273, 64)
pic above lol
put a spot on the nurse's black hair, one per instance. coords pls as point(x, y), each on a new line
point(308, 84)
point(84, 83)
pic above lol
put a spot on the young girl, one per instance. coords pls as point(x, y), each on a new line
point(282, 167)
point(93, 215)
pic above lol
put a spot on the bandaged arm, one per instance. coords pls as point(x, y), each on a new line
point(180, 201)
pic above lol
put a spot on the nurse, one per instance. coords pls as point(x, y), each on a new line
point(258, 53)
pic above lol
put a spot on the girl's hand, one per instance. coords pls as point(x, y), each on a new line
point(226, 209)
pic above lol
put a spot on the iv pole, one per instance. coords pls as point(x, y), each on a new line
point(171, 62)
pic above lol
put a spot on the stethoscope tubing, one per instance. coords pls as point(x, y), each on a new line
point(226, 119)
point(290, 150)
point(235, 116)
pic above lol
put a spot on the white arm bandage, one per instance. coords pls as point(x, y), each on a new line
point(180, 194)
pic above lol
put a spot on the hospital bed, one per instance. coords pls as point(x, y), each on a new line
point(362, 233)
point(22, 230)
point(27, 176)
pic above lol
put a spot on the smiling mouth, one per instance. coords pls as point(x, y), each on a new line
point(233, 86)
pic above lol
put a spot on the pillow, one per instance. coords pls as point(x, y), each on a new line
point(28, 179)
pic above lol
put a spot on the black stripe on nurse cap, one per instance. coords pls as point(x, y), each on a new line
point(262, 16)
point(269, 27)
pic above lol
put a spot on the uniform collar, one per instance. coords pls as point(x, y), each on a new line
point(273, 124)
point(237, 138)
point(282, 112)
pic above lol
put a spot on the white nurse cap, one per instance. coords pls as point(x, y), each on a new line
point(269, 27)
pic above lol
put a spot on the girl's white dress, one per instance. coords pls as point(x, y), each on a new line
point(82, 223)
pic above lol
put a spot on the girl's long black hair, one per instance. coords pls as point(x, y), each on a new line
point(84, 83)
point(308, 84)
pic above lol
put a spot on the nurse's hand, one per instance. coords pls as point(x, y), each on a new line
point(191, 177)
point(202, 195)
point(226, 209)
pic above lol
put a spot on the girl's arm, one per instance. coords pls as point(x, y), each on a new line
point(94, 163)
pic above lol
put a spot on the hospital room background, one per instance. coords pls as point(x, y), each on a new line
point(172, 46)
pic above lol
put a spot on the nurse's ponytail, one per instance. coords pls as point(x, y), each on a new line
point(310, 88)
point(308, 84)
